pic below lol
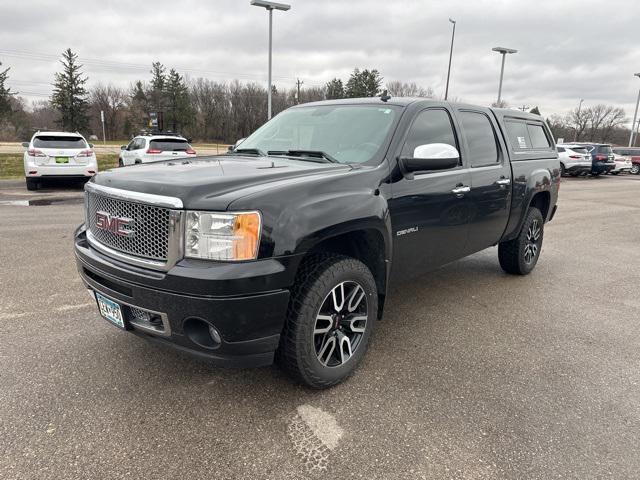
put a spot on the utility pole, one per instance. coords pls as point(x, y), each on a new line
point(104, 138)
point(298, 85)
point(524, 108)
point(575, 137)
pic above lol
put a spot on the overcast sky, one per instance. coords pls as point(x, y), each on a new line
point(567, 50)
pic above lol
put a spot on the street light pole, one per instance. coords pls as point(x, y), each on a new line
point(270, 6)
point(453, 36)
point(503, 51)
point(635, 115)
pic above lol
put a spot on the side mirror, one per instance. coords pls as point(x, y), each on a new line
point(123, 147)
point(432, 156)
point(91, 145)
point(25, 144)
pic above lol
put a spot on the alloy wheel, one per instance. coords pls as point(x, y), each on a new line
point(340, 324)
point(532, 246)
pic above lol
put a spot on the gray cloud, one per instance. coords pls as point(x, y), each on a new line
point(567, 50)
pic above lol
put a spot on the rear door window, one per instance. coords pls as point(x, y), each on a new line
point(538, 137)
point(606, 149)
point(518, 135)
point(169, 145)
point(561, 149)
point(580, 150)
point(53, 141)
point(481, 139)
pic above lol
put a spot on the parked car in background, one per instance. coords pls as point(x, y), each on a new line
point(633, 153)
point(52, 155)
point(574, 159)
point(601, 157)
point(153, 147)
point(623, 164)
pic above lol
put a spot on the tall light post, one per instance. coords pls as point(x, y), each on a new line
point(453, 36)
point(503, 51)
point(270, 6)
point(575, 137)
point(635, 115)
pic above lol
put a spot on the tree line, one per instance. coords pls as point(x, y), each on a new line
point(208, 110)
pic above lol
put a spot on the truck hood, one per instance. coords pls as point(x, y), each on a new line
point(212, 183)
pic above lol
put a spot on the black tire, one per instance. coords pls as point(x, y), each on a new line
point(32, 184)
point(615, 173)
point(563, 171)
point(515, 255)
point(120, 162)
point(635, 169)
point(298, 352)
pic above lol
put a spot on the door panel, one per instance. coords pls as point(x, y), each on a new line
point(490, 178)
point(429, 220)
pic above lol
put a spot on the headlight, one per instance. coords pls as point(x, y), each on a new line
point(222, 236)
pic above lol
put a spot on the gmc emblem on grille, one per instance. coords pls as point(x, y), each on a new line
point(120, 226)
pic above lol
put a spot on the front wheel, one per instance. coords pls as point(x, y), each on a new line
point(520, 255)
point(331, 316)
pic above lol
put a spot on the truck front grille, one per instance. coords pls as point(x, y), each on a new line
point(150, 226)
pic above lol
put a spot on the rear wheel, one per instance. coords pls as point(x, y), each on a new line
point(635, 169)
point(32, 184)
point(520, 255)
point(120, 162)
point(330, 320)
point(563, 171)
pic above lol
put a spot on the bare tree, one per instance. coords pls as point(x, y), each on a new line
point(397, 88)
point(111, 100)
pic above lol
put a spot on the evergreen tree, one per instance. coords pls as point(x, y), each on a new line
point(157, 92)
point(177, 98)
point(335, 89)
point(5, 95)
point(365, 83)
point(69, 95)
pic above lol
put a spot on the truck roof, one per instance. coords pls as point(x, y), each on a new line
point(405, 101)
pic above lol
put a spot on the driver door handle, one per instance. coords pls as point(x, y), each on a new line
point(460, 190)
point(503, 182)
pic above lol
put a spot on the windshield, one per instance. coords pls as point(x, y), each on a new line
point(579, 150)
point(346, 133)
point(169, 145)
point(51, 141)
point(605, 149)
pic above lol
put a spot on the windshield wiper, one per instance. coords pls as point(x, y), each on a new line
point(314, 154)
point(248, 151)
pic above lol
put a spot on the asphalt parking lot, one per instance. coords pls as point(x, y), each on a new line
point(471, 374)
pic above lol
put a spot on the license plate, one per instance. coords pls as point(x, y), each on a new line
point(110, 310)
point(62, 159)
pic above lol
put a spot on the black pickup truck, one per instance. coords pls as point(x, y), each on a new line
point(284, 248)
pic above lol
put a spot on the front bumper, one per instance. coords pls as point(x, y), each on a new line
point(245, 302)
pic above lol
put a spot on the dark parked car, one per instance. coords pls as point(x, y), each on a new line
point(630, 152)
point(601, 157)
point(285, 247)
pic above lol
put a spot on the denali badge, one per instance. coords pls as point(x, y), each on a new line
point(120, 226)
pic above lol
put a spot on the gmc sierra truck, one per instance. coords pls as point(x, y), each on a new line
point(283, 249)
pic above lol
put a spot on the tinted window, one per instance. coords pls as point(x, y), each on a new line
point(169, 145)
point(430, 126)
point(606, 149)
point(52, 141)
point(139, 144)
point(580, 150)
point(518, 135)
point(481, 139)
point(561, 149)
point(538, 137)
point(132, 145)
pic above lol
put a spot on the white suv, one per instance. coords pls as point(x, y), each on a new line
point(58, 155)
point(147, 148)
point(574, 159)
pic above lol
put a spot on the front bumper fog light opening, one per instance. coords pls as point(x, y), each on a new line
point(202, 333)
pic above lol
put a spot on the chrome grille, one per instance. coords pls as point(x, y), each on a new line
point(151, 226)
